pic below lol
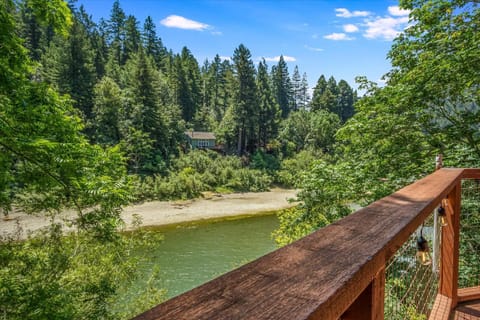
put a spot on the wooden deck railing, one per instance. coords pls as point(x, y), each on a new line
point(338, 272)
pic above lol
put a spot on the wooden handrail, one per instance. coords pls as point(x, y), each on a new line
point(323, 275)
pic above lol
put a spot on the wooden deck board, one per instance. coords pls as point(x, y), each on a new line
point(441, 308)
point(467, 311)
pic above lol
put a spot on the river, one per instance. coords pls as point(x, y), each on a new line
point(194, 253)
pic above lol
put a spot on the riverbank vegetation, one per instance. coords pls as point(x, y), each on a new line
point(93, 117)
point(429, 105)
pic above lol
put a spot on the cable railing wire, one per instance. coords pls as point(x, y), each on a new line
point(411, 287)
point(469, 262)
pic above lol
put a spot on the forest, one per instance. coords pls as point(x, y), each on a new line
point(93, 117)
point(133, 93)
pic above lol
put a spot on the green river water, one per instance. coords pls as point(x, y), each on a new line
point(195, 253)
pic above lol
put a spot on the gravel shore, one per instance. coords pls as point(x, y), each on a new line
point(157, 213)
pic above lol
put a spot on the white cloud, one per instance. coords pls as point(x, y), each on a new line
point(350, 28)
point(226, 58)
point(338, 37)
point(313, 49)
point(345, 13)
point(386, 28)
point(396, 11)
point(277, 58)
point(174, 21)
point(216, 33)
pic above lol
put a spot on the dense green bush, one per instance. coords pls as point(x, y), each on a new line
point(77, 276)
point(199, 171)
point(264, 161)
point(292, 169)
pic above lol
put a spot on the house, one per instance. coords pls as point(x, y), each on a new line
point(200, 140)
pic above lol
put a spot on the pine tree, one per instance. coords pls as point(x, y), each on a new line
point(132, 38)
point(297, 97)
point(329, 98)
point(318, 92)
point(106, 112)
point(225, 88)
point(345, 101)
point(282, 87)
point(153, 45)
point(32, 32)
point(202, 120)
point(244, 108)
point(215, 92)
point(269, 111)
point(96, 35)
point(184, 75)
point(116, 32)
point(143, 83)
point(146, 119)
point(304, 95)
point(192, 77)
point(179, 86)
point(69, 65)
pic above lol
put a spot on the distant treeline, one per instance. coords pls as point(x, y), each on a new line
point(133, 92)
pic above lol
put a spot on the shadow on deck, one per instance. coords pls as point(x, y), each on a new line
point(468, 306)
point(467, 311)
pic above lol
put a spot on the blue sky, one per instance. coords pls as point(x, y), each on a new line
point(340, 38)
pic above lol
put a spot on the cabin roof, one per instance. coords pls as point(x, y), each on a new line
point(200, 135)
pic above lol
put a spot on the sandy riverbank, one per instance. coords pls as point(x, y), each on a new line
point(157, 213)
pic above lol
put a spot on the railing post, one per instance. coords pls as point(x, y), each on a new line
point(450, 247)
point(370, 304)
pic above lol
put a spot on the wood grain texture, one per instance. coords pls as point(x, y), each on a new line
point(469, 294)
point(321, 275)
point(467, 311)
point(471, 173)
point(441, 308)
point(450, 246)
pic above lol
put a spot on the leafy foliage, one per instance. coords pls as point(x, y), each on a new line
point(200, 171)
point(308, 130)
point(47, 166)
point(78, 276)
point(429, 106)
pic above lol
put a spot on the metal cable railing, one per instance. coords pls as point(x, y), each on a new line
point(469, 262)
point(410, 287)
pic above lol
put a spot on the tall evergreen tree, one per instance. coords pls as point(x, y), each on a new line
point(146, 119)
point(282, 86)
point(269, 112)
point(244, 108)
point(186, 84)
point(132, 38)
point(116, 32)
point(329, 98)
point(225, 90)
point(297, 97)
point(106, 112)
point(179, 86)
point(153, 44)
point(203, 120)
point(96, 35)
point(215, 91)
point(35, 35)
point(318, 92)
point(143, 83)
point(69, 65)
point(345, 101)
point(304, 95)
